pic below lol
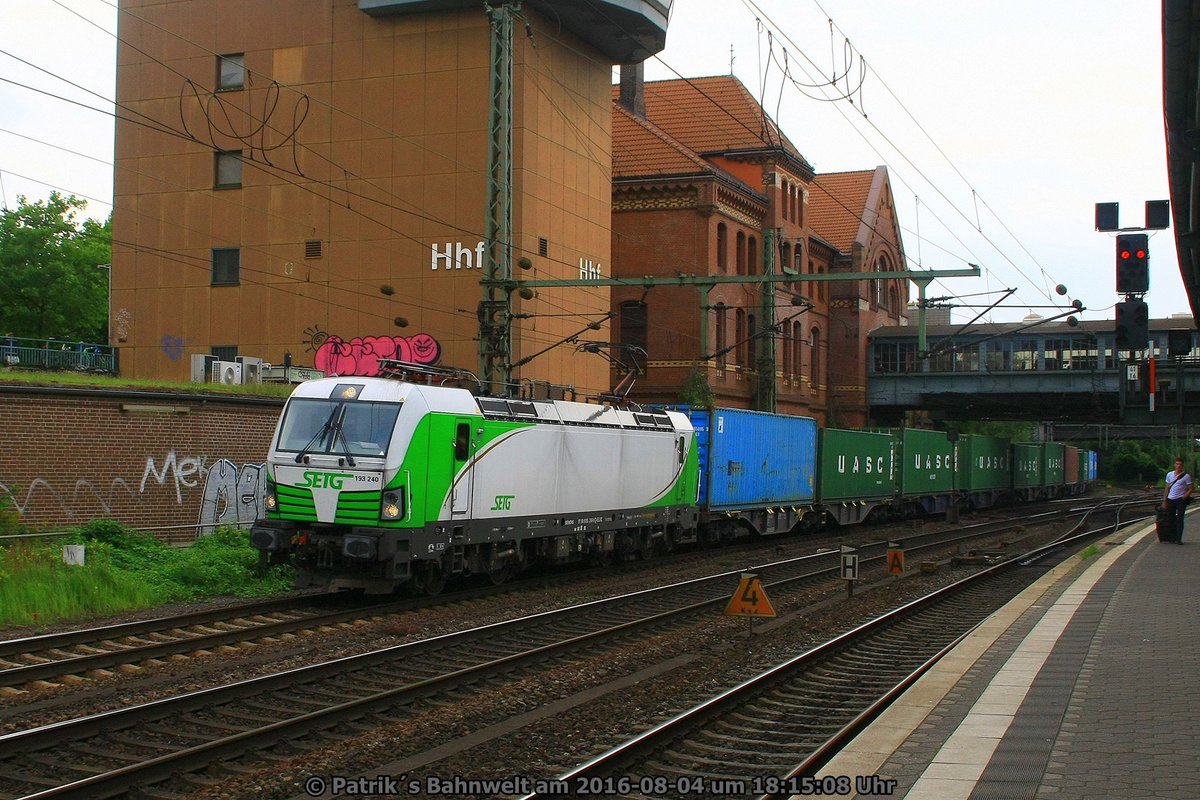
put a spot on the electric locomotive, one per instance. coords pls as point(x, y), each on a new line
point(372, 483)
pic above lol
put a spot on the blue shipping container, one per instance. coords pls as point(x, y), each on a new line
point(751, 459)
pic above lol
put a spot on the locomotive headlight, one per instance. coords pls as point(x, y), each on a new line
point(392, 507)
point(271, 502)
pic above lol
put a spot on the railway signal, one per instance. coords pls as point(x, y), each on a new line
point(1133, 263)
point(1133, 325)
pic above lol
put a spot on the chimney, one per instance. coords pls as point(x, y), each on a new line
point(633, 96)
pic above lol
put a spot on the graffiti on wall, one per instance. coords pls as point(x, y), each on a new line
point(361, 355)
point(172, 346)
point(228, 494)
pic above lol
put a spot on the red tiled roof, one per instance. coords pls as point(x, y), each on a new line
point(837, 202)
point(711, 115)
point(640, 148)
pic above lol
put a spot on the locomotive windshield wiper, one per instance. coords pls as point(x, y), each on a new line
point(320, 435)
point(339, 433)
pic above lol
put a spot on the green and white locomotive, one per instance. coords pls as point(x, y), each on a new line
point(373, 483)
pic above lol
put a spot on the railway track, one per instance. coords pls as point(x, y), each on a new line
point(108, 752)
point(104, 754)
point(39, 661)
point(767, 737)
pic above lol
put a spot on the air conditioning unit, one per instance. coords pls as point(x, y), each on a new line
point(227, 372)
point(202, 367)
point(252, 369)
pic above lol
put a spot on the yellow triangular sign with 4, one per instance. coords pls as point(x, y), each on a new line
point(750, 599)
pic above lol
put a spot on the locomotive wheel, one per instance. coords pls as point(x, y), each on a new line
point(502, 574)
point(433, 579)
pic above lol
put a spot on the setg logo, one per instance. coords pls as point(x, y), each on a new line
point(503, 502)
point(324, 480)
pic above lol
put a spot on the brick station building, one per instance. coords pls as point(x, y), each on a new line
point(702, 179)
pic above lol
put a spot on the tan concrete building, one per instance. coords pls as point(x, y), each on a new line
point(310, 177)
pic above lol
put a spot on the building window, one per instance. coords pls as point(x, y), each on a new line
point(787, 200)
point(821, 284)
point(785, 256)
point(722, 335)
point(894, 357)
point(741, 253)
point(787, 356)
point(752, 342)
point(752, 256)
point(231, 72)
point(797, 349)
point(815, 365)
point(722, 247)
point(227, 169)
point(633, 324)
point(225, 352)
point(226, 266)
point(740, 332)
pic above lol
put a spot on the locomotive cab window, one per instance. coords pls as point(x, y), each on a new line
point(462, 442)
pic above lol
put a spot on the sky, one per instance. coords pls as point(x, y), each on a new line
point(1001, 124)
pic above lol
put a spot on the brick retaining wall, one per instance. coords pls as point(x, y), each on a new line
point(148, 460)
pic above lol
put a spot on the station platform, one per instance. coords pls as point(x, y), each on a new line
point(1087, 685)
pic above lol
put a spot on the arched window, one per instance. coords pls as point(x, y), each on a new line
point(752, 345)
point(739, 330)
point(881, 265)
point(752, 256)
point(722, 334)
point(786, 195)
point(821, 284)
point(787, 356)
point(799, 207)
point(741, 253)
point(722, 247)
point(814, 341)
point(633, 323)
point(785, 255)
point(797, 349)
point(894, 301)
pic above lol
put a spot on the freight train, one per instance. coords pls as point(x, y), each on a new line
point(376, 483)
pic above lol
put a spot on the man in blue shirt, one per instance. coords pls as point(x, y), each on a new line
point(1176, 496)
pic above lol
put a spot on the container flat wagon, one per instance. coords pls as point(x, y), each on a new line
point(756, 470)
point(927, 470)
point(858, 475)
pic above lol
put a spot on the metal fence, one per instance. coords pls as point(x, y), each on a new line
point(50, 354)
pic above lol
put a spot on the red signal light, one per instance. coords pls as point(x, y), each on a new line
point(1124, 255)
point(1141, 253)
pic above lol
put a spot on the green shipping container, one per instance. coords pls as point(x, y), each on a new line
point(984, 463)
point(1053, 461)
point(857, 465)
point(926, 463)
point(1027, 465)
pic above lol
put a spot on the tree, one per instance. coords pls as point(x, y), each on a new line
point(50, 282)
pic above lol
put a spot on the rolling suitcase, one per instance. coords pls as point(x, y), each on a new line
point(1164, 523)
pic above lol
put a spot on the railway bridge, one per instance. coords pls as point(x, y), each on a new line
point(1032, 370)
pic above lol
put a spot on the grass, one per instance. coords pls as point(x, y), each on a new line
point(124, 571)
point(92, 381)
point(1089, 551)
